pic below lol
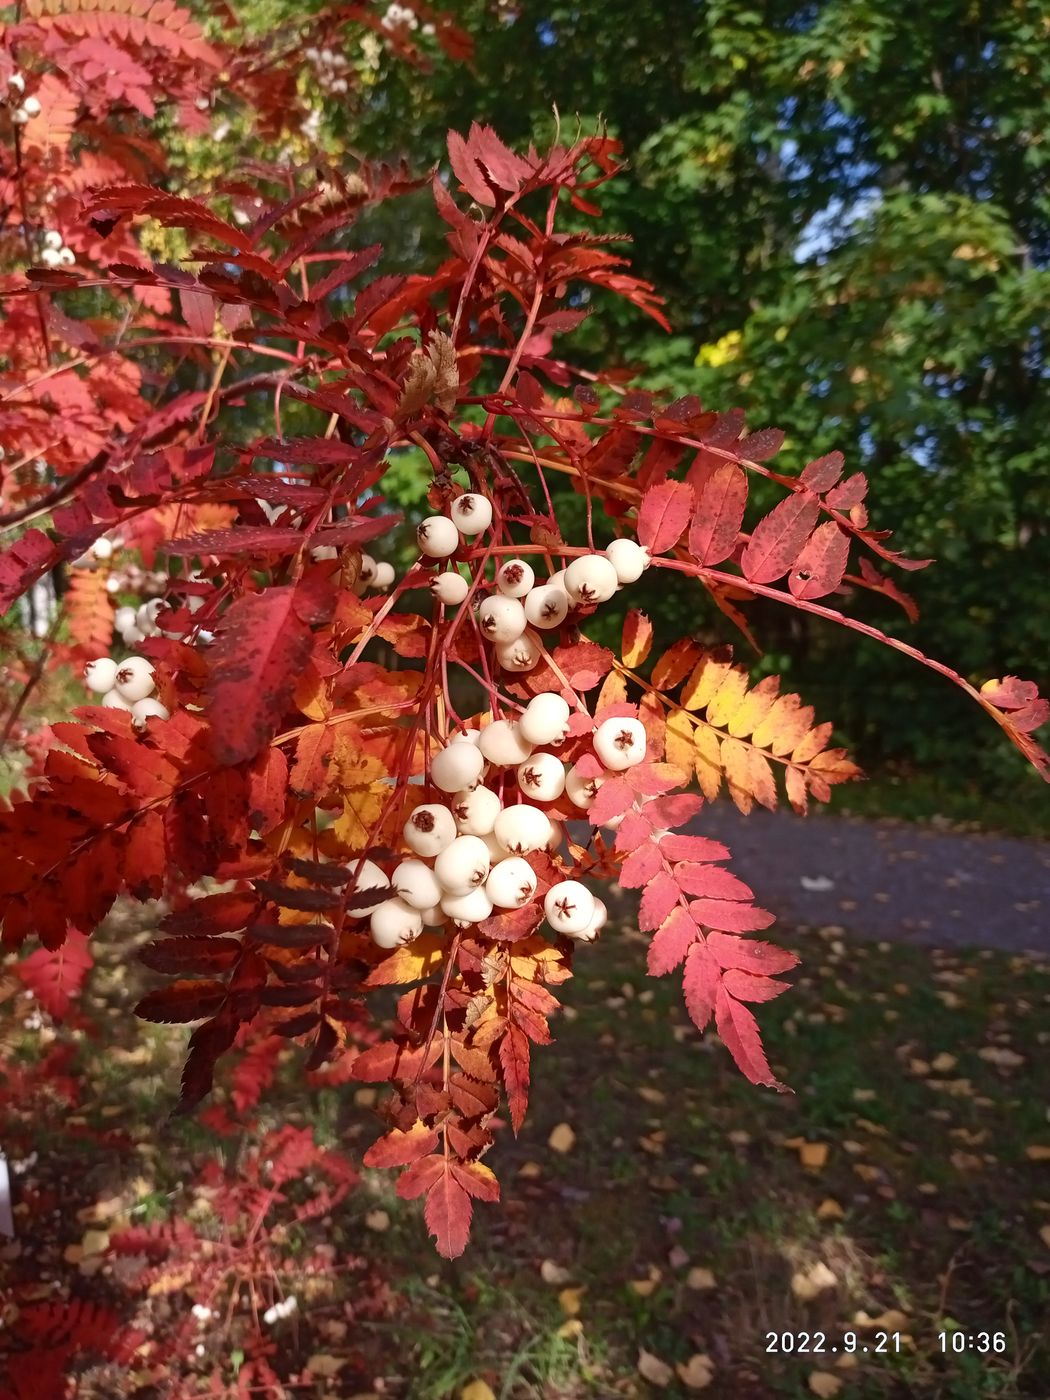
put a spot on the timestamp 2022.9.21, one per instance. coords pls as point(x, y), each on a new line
point(950, 1343)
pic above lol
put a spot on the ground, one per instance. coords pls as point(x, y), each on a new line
point(665, 1227)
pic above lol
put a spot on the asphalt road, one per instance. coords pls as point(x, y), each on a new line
point(890, 880)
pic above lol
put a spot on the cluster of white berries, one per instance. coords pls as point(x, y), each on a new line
point(330, 69)
point(279, 1311)
point(126, 685)
point(403, 14)
point(521, 607)
point(55, 253)
point(477, 844)
point(29, 106)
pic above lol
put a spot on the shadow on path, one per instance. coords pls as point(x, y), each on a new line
point(891, 880)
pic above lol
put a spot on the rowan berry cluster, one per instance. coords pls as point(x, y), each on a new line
point(470, 857)
point(126, 685)
point(521, 607)
point(28, 107)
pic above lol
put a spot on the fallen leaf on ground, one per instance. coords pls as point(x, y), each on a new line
point(824, 1384)
point(569, 1330)
point(570, 1299)
point(553, 1273)
point(323, 1365)
point(700, 1278)
point(806, 1284)
point(696, 1373)
point(1044, 1235)
point(829, 1209)
point(477, 1390)
point(655, 1371)
point(562, 1138)
point(1037, 1152)
point(645, 1286)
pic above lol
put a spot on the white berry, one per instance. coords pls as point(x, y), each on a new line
point(433, 918)
point(463, 865)
point(437, 537)
point(515, 578)
point(591, 579)
point(123, 618)
point(542, 777)
point(501, 619)
point(521, 655)
point(384, 575)
point(367, 572)
point(472, 513)
point(545, 719)
point(31, 106)
point(102, 548)
point(597, 923)
point(630, 560)
point(395, 923)
point(557, 835)
point(547, 606)
point(450, 589)
point(146, 617)
point(368, 876)
point(620, 743)
point(429, 829)
point(581, 792)
point(113, 700)
point(134, 679)
point(476, 810)
point(457, 767)
point(502, 743)
point(466, 736)
point(511, 883)
point(100, 675)
point(522, 829)
point(569, 906)
point(469, 908)
point(416, 884)
point(142, 710)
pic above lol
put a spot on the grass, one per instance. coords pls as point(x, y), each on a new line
point(945, 796)
point(682, 1222)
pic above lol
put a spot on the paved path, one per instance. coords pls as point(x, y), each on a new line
point(891, 880)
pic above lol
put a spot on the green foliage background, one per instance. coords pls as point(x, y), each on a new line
point(846, 204)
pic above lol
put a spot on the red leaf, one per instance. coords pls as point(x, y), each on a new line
point(28, 559)
point(747, 987)
point(55, 976)
point(750, 954)
point(779, 536)
point(739, 1032)
point(477, 1180)
point(467, 171)
point(514, 1055)
point(398, 1149)
point(711, 882)
point(262, 645)
point(848, 493)
point(819, 568)
point(700, 983)
point(511, 925)
point(663, 516)
point(615, 796)
point(657, 902)
point(420, 1177)
point(191, 955)
point(181, 1002)
point(760, 446)
point(719, 514)
point(671, 942)
point(676, 847)
point(584, 664)
point(822, 473)
point(214, 913)
point(728, 915)
point(393, 1059)
point(638, 869)
point(198, 310)
point(665, 812)
point(448, 1213)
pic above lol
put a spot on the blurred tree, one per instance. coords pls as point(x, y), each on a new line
point(847, 206)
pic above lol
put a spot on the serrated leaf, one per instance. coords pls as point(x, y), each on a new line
point(818, 570)
point(664, 515)
point(719, 514)
point(637, 639)
point(740, 1034)
point(778, 538)
point(671, 942)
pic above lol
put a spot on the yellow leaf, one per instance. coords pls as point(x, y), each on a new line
point(562, 1138)
point(700, 1279)
point(570, 1330)
point(809, 1283)
point(1037, 1152)
point(830, 1209)
point(813, 1155)
point(678, 740)
point(707, 676)
point(477, 1390)
point(753, 708)
point(552, 1272)
point(736, 760)
point(824, 1384)
point(311, 694)
point(708, 761)
point(696, 1373)
point(655, 1371)
point(637, 639)
point(361, 809)
point(412, 963)
point(613, 691)
point(570, 1300)
point(644, 1287)
point(728, 698)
